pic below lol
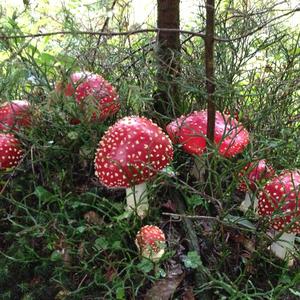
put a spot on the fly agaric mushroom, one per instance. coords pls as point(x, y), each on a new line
point(92, 90)
point(151, 242)
point(190, 131)
point(252, 176)
point(10, 151)
point(280, 201)
point(14, 114)
point(132, 151)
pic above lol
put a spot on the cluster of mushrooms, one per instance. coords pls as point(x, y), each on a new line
point(134, 150)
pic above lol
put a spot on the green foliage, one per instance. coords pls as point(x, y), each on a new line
point(51, 244)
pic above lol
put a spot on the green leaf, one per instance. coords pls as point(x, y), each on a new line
point(116, 245)
point(42, 194)
point(80, 229)
point(46, 58)
point(192, 260)
point(101, 243)
point(145, 265)
point(296, 293)
point(120, 293)
point(124, 215)
point(239, 220)
point(55, 256)
point(195, 201)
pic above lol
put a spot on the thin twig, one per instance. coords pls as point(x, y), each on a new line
point(192, 217)
point(157, 30)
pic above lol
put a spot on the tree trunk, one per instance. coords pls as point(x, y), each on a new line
point(209, 68)
point(166, 97)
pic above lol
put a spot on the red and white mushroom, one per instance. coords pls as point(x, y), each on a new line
point(92, 91)
point(280, 202)
point(14, 115)
point(251, 177)
point(131, 152)
point(10, 151)
point(190, 131)
point(151, 242)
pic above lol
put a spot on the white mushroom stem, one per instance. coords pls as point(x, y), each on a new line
point(137, 199)
point(198, 169)
point(250, 198)
point(284, 246)
point(152, 255)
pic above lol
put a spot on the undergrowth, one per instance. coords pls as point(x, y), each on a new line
point(63, 235)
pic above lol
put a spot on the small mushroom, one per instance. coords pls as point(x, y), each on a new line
point(251, 177)
point(190, 131)
point(131, 152)
point(14, 115)
point(280, 202)
point(92, 91)
point(151, 242)
point(10, 151)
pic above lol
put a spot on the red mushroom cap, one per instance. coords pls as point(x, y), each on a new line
point(132, 150)
point(150, 240)
point(93, 89)
point(253, 174)
point(190, 131)
point(10, 151)
point(14, 114)
point(280, 199)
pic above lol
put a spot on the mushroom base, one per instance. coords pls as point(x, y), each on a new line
point(284, 246)
point(137, 199)
point(152, 255)
point(249, 199)
point(198, 169)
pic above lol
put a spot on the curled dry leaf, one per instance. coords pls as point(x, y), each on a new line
point(92, 218)
point(62, 295)
point(164, 289)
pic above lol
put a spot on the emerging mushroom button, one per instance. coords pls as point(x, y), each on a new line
point(10, 151)
point(280, 200)
point(132, 151)
point(151, 242)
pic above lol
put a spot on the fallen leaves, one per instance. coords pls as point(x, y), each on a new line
point(164, 289)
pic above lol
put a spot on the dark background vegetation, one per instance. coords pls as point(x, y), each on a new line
point(64, 236)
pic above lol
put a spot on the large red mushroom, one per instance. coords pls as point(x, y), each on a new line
point(280, 202)
point(251, 178)
point(151, 242)
point(10, 151)
point(14, 115)
point(190, 131)
point(131, 152)
point(92, 93)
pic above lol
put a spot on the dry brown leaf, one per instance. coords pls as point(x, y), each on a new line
point(188, 294)
point(164, 289)
point(93, 218)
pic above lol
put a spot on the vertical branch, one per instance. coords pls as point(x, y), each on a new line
point(166, 97)
point(209, 68)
